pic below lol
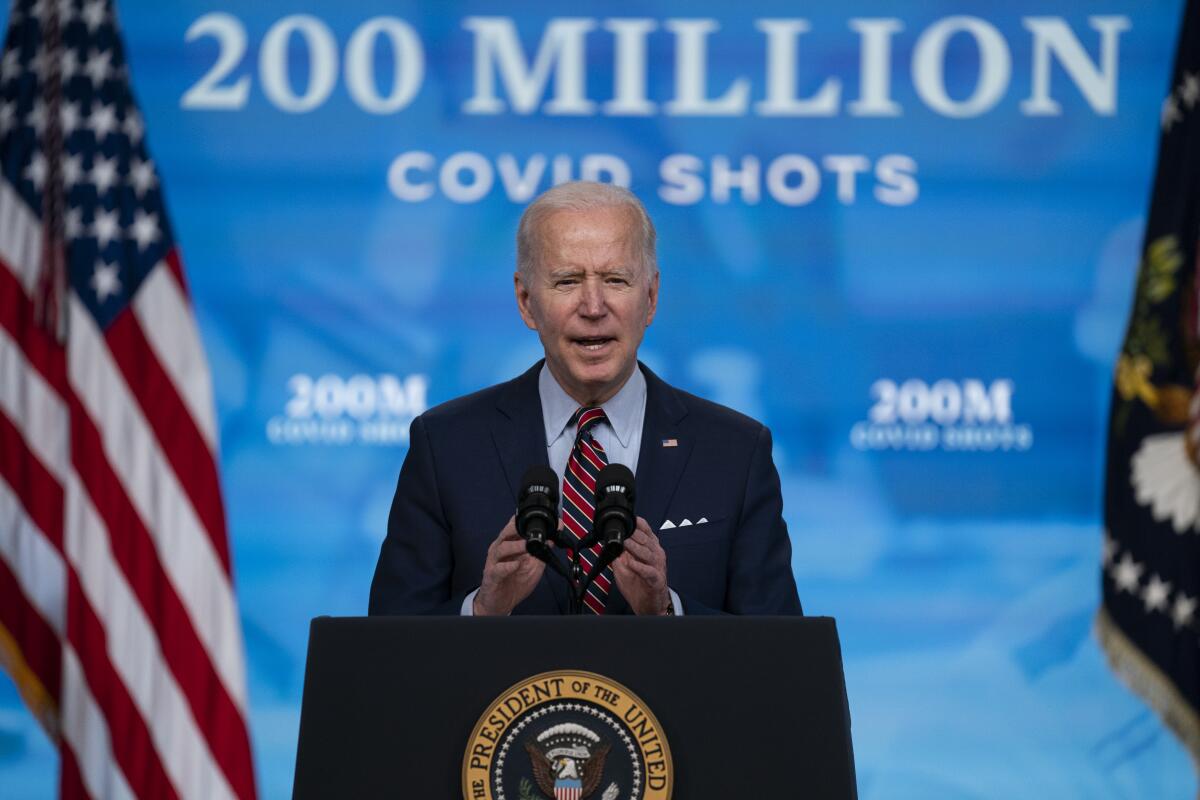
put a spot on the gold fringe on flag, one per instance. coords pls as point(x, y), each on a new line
point(29, 687)
point(1149, 683)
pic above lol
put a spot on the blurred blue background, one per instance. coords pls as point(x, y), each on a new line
point(930, 337)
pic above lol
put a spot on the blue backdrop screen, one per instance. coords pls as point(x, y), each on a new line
point(903, 235)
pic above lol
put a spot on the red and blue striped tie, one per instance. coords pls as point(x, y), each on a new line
point(579, 498)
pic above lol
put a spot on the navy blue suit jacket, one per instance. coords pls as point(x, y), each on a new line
point(459, 482)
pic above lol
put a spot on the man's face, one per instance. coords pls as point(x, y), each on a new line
point(590, 299)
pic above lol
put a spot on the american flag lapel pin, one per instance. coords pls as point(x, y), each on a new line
point(670, 443)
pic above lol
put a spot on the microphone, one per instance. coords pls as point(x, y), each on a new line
point(537, 510)
point(614, 521)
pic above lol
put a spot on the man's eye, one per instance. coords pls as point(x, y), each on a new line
point(565, 282)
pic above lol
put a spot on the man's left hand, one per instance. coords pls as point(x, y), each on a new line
point(641, 572)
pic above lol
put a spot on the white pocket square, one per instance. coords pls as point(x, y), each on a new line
point(668, 525)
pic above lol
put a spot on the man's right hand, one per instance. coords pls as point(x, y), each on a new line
point(509, 574)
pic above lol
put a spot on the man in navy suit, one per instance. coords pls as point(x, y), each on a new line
point(710, 534)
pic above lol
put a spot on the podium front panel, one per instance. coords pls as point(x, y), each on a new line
point(750, 707)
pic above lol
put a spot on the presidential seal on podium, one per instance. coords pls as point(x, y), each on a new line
point(567, 735)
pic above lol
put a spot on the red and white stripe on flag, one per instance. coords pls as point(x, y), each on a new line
point(118, 620)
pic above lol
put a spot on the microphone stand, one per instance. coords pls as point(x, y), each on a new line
point(576, 584)
point(579, 582)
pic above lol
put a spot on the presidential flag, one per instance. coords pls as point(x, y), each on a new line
point(118, 621)
point(1148, 622)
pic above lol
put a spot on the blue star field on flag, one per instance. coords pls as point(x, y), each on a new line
point(114, 224)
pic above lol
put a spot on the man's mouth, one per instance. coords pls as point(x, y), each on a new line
point(594, 343)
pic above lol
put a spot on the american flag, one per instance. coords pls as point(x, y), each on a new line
point(118, 621)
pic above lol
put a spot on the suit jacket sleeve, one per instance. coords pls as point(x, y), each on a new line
point(759, 577)
point(413, 575)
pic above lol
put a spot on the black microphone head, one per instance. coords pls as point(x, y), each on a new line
point(615, 478)
point(614, 521)
point(538, 479)
point(537, 508)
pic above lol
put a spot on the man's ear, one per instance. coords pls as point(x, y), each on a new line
point(523, 301)
point(653, 289)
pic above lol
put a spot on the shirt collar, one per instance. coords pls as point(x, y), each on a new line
point(621, 409)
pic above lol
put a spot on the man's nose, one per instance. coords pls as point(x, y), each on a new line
point(591, 302)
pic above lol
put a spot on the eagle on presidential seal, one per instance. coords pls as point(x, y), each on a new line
point(568, 761)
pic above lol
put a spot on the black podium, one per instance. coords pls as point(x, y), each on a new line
point(748, 708)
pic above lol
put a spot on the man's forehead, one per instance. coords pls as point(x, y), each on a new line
point(614, 221)
point(603, 241)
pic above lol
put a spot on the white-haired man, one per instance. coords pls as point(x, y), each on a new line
point(710, 534)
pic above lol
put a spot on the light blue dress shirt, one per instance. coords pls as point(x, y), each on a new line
point(620, 434)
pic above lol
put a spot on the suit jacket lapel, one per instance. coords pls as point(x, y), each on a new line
point(660, 467)
point(518, 430)
point(519, 433)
